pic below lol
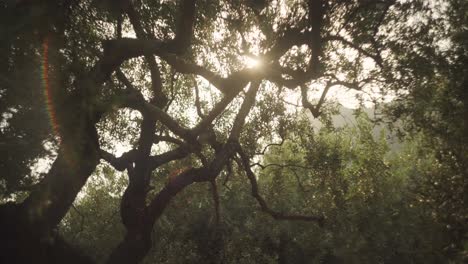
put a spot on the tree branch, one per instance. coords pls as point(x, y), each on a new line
point(175, 154)
point(159, 138)
point(214, 192)
point(271, 145)
point(314, 110)
point(156, 83)
point(282, 166)
point(292, 37)
point(184, 29)
point(316, 10)
point(244, 110)
point(375, 57)
point(244, 162)
point(185, 67)
point(198, 103)
point(120, 163)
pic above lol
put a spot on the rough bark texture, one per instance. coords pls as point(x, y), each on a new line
point(27, 229)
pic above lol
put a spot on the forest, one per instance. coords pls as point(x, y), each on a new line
point(234, 131)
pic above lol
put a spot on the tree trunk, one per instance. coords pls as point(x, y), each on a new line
point(134, 247)
point(137, 241)
point(27, 229)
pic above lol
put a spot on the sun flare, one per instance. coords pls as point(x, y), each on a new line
point(252, 62)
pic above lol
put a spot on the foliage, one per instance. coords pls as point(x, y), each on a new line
point(368, 195)
point(434, 111)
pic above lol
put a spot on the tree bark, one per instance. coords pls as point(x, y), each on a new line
point(27, 229)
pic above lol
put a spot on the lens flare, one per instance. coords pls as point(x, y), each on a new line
point(47, 89)
point(50, 106)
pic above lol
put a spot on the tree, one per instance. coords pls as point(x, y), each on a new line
point(178, 93)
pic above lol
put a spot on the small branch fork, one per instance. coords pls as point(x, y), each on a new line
point(244, 163)
point(314, 110)
point(291, 167)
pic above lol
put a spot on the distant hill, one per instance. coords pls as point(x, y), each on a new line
point(346, 116)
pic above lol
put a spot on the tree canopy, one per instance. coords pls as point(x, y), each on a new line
point(128, 127)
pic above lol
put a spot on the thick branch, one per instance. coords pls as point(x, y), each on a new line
point(216, 111)
point(175, 154)
point(118, 50)
point(214, 192)
point(198, 103)
point(120, 163)
point(316, 10)
point(185, 67)
point(159, 138)
point(160, 115)
point(177, 184)
point(292, 37)
point(156, 83)
point(136, 101)
point(121, 77)
point(184, 29)
point(314, 110)
point(244, 111)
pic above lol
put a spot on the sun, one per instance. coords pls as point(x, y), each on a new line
point(251, 62)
